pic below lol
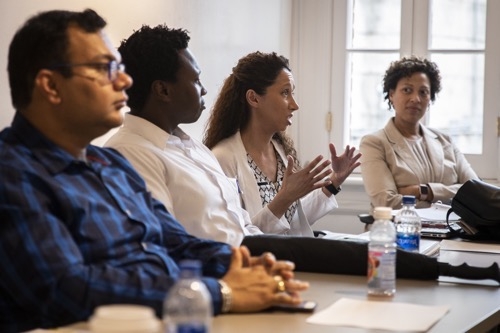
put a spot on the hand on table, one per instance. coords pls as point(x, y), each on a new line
point(272, 266)
point(254, 289)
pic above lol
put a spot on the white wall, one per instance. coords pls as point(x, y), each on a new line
point(222, 31)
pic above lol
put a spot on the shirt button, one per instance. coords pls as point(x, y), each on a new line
point(144, 245)
point(127, 212)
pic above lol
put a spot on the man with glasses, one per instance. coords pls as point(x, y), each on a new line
point(77, 227)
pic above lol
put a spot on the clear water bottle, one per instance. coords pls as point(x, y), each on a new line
point(382, 254)
point(408, 226)
point(188, 305)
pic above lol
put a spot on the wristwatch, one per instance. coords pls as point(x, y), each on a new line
point(227, 296)
point(332, 189)
point(424, 192)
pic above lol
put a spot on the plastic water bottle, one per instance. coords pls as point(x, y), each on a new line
point(188, 305)
point(408, 226)
point(382, 254)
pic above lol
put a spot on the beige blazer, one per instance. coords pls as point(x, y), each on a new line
point(388, 163)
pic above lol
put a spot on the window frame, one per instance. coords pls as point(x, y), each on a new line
point(414, 40)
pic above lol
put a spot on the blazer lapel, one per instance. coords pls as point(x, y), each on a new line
point(400, 147)
point(435, 151)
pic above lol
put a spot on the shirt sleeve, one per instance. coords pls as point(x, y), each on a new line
point(316, 205)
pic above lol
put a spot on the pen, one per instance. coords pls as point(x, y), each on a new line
point(238, 186)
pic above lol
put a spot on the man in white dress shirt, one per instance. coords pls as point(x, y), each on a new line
point(180, 171)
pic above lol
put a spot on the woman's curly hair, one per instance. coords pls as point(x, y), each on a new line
point(406, 67)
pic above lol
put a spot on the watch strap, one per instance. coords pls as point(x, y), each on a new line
point(424, 192)
point(332, 189)
point(227, 296)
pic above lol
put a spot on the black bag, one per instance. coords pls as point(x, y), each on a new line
point(478, 205)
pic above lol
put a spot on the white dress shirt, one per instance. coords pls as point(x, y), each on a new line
point(184, 175)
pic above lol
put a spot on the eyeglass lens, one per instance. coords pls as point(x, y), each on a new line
point(113, 68)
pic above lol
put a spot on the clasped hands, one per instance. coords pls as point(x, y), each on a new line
point(260, 282)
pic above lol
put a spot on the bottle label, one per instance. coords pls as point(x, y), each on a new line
point(381, 270)
point(408, 242)
point(191, 328)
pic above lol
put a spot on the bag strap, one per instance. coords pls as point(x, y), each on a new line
point(461, 233)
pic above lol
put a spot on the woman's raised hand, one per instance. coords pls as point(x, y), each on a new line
point(344, 164)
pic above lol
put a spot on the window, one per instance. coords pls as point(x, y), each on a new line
point(459, 35)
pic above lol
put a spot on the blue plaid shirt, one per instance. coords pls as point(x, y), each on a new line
point(75, 235)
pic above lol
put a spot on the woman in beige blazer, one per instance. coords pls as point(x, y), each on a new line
point(406, 157)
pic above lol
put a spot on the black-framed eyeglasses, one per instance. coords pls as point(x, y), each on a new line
point(109, 70)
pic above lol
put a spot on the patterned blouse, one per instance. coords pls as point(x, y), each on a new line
point(269, 189)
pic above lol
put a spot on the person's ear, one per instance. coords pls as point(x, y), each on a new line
point(391, 93)
point(47, 86)
point(160, 89)
point(252, 98)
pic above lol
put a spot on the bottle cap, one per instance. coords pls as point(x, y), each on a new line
point(382, 213)
point(409, 200)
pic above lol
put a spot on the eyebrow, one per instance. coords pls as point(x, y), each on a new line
point(109, 57)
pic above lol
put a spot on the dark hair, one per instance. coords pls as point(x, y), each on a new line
point(151, 54)
point(406, 67)
point(256, 71)
point(41, 43)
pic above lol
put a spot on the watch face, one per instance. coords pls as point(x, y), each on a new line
point(424, 190)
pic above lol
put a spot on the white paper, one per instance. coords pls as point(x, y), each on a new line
point(341, 236)
point(380, 315)
point(437, 212)
point(454, 245)
point(429, 247)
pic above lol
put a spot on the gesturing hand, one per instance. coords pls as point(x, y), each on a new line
point(344, 164)
point(296, 184)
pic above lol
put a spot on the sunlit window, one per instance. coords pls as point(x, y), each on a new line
point(455, 41)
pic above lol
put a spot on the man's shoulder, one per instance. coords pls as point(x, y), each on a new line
point(230, 144)
point(108, 155)
point(125, 141)
point(12, 152)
